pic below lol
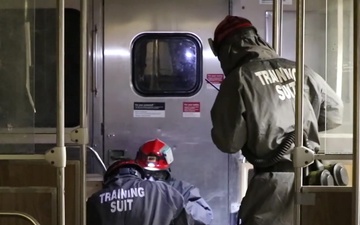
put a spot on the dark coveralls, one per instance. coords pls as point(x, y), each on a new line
point(195, 205)
point(254, 111)
point(130, 200)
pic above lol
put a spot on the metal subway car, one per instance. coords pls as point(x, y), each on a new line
point(83, 83)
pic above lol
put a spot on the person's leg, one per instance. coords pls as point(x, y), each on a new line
point(268, 200)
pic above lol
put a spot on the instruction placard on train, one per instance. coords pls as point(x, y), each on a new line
point(215, 80)
point(191, 109)
point(149, 109)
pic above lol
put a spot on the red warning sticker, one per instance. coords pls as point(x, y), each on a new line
point(191, 109)
point(214, 79)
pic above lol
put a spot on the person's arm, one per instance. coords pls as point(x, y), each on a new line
point(183, 218)
point(174, 201)
point(195, 205)
point(198, 208)
point(331, 105)
point(92, 215)
point(229, 130)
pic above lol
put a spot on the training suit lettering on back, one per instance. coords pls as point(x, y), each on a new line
point(283, 78)
point(121, 199)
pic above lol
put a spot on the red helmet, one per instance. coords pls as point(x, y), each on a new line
point(155, 155)
point(122, 163)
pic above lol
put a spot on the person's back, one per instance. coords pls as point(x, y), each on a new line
point(258, 94)
point(267, 89)
point(130, 200)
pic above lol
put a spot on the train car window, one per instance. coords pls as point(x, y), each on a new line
point(166, 64)
point(42, 79)
point(45, 67)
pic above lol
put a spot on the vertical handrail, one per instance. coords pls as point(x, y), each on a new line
point(60, 129)
point(22, 215)
point(277, 25)
point(356, 116)
point(230, 7)
point(83, 109)
point(281, 19)
point(300, 17)
point(340, 48)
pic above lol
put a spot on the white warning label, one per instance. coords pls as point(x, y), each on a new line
point(149, 109)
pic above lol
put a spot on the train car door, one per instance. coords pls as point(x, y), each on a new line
point(156, 58)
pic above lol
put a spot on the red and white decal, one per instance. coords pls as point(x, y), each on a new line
point(215, 79)
point(191, 109)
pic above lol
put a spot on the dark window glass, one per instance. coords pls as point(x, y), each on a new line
point(166, 64)
point(42, 80)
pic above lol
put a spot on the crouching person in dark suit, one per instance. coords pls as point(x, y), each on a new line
point(127, 199)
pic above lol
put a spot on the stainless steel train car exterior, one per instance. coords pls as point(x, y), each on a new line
point(148, 61)
point(133, 114)
point(129, 121)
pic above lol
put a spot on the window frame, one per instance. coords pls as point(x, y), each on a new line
point(168, 35)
